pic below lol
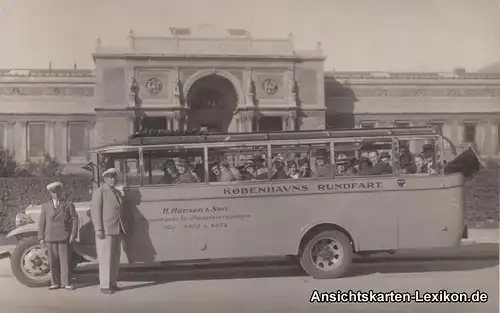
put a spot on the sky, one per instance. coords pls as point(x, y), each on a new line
point(356, 35)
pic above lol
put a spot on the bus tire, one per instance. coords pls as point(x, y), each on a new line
point(327, 255)
point(30, 263)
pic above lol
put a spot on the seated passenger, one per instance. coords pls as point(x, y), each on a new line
point(170, 172)
point(383, 166)
point(279, 168)
point(304, 169)
point(322, 169)
point(186, 176)
point(420, 166)
point(406, 160)
point(222, 172)
point(250, 172)
point(262, 171)
point(293, 171)
point(432, 166)
point(364, 166)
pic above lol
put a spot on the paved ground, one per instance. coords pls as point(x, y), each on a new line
point(474, 266)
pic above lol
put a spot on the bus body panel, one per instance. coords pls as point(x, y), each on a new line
point(175, 223)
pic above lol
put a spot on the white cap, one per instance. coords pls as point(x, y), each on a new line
point(109, 172)
point(54, 185)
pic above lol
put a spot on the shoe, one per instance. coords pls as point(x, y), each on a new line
point(107, 291)
point(54, 287)
point(69, 287)
point(116, 288)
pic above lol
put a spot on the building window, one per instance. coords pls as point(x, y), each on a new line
point(37, 140)
point(402, 124)
point(154, 122)
point(270, 124)
point(498, 137)
point(438, 126)
point(469, 132)
point(3, 136)
point(78, 140)
point(367, 124)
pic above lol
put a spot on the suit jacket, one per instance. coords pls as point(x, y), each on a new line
point(107, 210)
point(58, 224)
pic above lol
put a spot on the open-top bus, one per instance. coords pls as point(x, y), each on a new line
point(318, 196)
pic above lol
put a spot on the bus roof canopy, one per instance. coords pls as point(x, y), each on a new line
point(157, 138)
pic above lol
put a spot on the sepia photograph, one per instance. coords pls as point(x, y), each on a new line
point(228, 156)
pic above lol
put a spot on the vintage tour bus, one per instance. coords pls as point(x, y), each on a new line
point(317, 196)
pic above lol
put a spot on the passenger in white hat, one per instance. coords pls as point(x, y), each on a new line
point(57, 229)
point(108, 220)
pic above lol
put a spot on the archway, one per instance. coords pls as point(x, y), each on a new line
point(212, 101)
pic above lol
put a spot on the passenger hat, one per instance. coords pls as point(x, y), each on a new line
point(183, 162)
point(54, 185)
point(385, 155)
point(428, 147)
point(110, 172)
point(303, 161)
point(363, 160)
point(279, 158)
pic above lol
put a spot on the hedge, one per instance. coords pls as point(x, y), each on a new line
point(482, 195)
point(17, 193)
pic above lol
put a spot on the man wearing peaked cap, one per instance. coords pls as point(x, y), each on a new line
point(57, 229)
point(109, 224)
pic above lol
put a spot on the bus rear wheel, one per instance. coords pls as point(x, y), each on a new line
point(327, 255)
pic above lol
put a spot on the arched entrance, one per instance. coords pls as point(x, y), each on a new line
point(212, 101)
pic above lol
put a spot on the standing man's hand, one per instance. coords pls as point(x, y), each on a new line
point(100, 235)
point(71, 239)
point(42, 242)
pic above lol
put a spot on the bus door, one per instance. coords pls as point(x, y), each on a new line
point(422, 198)
point(367, 166)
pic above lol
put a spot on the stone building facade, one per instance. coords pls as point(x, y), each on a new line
point(229, 82)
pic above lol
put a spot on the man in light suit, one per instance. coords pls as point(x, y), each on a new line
point(57, 229)
point(107, 211)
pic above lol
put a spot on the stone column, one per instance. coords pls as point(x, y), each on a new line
point(51, 128)
point(291, 122)
point(21, 141)
point(10, 144)
point(284, 125)
point(249, 124)
point(65, 144)
point(175, 122)
point(247, 80)
point(169, 122)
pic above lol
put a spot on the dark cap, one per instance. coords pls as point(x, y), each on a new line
point(385, 155)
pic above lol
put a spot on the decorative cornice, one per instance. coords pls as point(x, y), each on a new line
point(47, 91)
point(409, 76)
point(45, 73)
point(415, 92)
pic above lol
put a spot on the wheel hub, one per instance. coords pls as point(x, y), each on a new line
point(326, 254)
point(36, 262)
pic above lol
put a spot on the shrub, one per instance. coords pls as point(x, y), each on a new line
point(17, 193)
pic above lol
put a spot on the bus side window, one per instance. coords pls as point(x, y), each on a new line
point(420, 156)
point(365, 157)
point(237, 163)
point(300, 161)
point(173, 166)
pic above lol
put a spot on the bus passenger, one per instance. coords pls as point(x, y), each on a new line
point(429, 154)
point(322, 170)
point(249, 171)
point(170, 172)
point(364, 166)
point(222, 172)
point(304, 168)
point(279, 168)
point(293, 171)
point(186, 176)
point(262, 170)
point(420, 164)
point(383, 167)
point(406, 160)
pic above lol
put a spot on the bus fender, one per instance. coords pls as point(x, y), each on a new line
point(310, 229)
point(23, 230)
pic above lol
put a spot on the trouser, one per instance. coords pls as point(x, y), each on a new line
point(108, 254)
point(59, 262)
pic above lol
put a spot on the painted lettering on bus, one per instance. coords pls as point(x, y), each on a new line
point(269, 189)
point(350, 186)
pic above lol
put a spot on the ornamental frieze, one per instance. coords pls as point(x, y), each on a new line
point(47, 91)
point(415, 92)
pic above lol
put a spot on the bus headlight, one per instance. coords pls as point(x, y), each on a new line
point(23, 219)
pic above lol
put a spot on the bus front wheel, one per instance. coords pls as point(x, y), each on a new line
point(327, 255)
